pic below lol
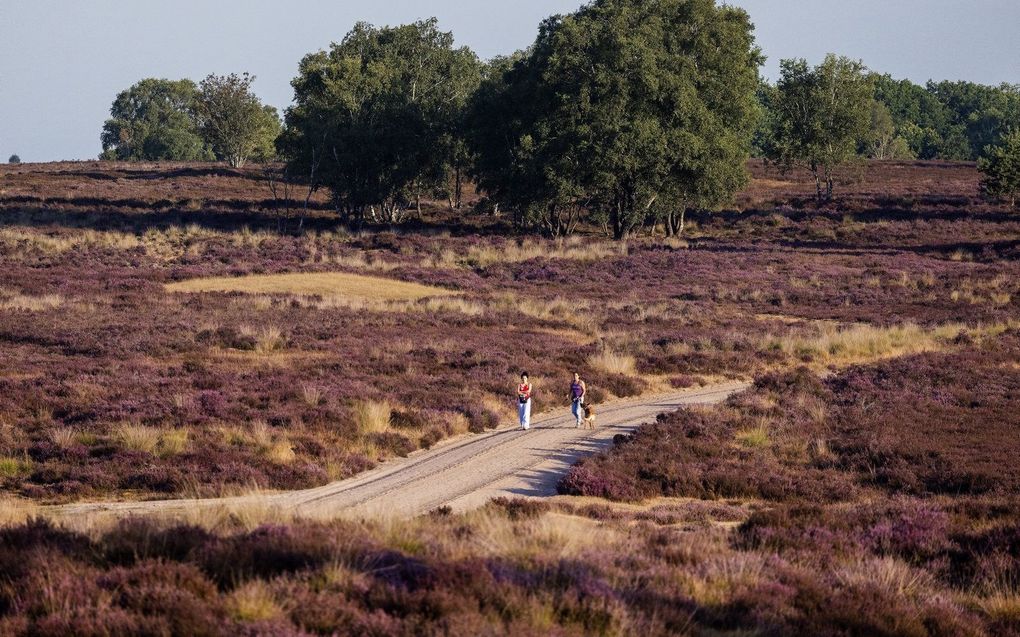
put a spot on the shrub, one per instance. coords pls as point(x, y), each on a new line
point(623, 386)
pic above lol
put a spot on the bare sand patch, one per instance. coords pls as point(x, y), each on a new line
point(355, 286)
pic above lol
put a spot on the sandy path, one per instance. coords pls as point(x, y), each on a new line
point(463, 473)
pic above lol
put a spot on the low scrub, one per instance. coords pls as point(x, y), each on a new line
point(927, 424)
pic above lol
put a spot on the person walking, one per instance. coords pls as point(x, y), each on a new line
point(524, 402)
point(577, 391)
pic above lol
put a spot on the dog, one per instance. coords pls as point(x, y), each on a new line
point(589, 416)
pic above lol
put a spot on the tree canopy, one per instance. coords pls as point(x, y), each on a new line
point(949, 120)
point(1001, 168)
point(634, 110)
point(153, 120)
point(823, 116)
point(233, 121)
point(376, 117)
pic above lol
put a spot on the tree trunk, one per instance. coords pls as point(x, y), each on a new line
point(459, 189)
point(675, 223)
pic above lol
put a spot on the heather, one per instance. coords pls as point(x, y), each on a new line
point(111, 383)
point(926, 425)
point(904, 567)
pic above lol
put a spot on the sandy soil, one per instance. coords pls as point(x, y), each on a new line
point(463, 473)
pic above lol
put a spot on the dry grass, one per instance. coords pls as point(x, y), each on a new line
point(572, 248)
point(153, 440)
point(254, 601)
point(325, 284)
point(64, 437)
point(137, 437)
point(613, 362)
point(16, 511)
point(311, 395)
point(268, 338)
point(18, 243)
point(894, 577)
point(372, 416)
point(24, 303)
point(281, 452)
point(859, 343)
point(1002, 605)
point(172, 442)
point(754, 437)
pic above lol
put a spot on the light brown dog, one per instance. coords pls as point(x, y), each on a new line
point(589, 416)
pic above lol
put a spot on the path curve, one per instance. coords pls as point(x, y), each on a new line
point(463, 473)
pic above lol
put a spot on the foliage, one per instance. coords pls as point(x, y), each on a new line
point(376, 118)
point(1001, 169)
point(822, 116)
point(232, 120)
point(14, 159)
point(623, 108)
point(153, 120)
point(949, 120)
point(884, 143)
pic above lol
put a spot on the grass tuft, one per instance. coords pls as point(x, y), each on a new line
point(372, 416)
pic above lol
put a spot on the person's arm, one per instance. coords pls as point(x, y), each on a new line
point(584, 390)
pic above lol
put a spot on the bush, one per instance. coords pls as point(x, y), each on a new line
point(14, 159)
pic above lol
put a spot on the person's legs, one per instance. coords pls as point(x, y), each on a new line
point(526, 415)
point(521, 413)
point(575, 409)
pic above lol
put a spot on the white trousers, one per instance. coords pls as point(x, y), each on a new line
point(524, 413)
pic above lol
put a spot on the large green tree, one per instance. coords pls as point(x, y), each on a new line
point(522, 158)
point(154, 120)
point(234, 122)
point(822, 117)
point(376, 117)
point(1001, 168)
point(634, 110)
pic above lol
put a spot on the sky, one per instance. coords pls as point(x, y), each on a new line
point(62, 62)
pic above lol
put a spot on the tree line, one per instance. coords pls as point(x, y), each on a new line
point(625, 114)
point(217, 119)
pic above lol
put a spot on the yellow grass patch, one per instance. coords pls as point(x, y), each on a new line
point(858, 343)
point(324, 284)
point(14, 301)
point(372, 416)
point(613, 362)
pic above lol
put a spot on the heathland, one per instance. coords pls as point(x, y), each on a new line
point(166, 331)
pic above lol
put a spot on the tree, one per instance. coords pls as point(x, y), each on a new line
point(1001, 169)
point(376, 117)
point(823, 115)
point(949, 120)
point(153, 120)
point(884, 142)
point(14, 159)
point(519, 159)
point(233, 121)
point(634, 110)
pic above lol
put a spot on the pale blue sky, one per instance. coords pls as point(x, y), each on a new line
point(63, 61)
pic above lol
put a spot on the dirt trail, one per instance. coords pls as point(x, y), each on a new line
point(463, 473)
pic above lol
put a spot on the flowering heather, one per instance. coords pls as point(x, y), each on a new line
point(224, 391)
point(939, 423)
point(520, 567)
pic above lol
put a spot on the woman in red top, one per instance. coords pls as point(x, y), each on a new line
point(524, 402)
